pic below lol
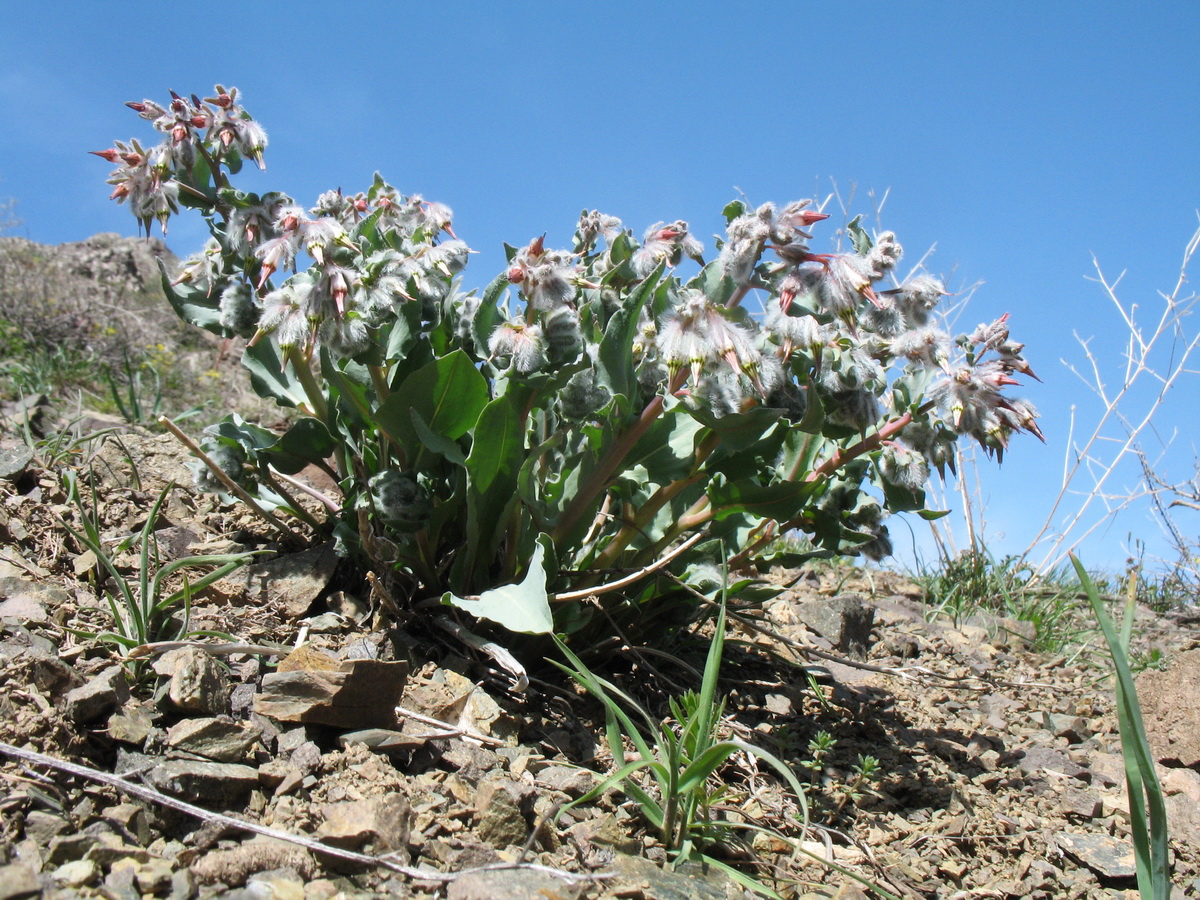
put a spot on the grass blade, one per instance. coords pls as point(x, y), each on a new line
point(1150, 839)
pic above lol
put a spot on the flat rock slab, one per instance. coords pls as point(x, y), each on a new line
point(221, 740)
point(1170, 702)
point(207, 782)
point(363, 693)
point(1104, 855)
point(511, 884)
point(288, 583)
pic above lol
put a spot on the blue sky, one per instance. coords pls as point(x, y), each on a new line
point(1017, 140)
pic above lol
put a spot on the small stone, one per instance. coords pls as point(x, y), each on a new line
point(183, 885)
point(1040, 760)
point(364, 693)
point(41, 826)
point(501, 822)
point(605, 831)
point(69, 847)
point(384, 822)
point(571, 781)
point(131, 818)
point(289, 583)
point(219, 739)
point(109, 848)
point(198, 683)
point(514, 884)
point(1082, 805)
point(1074, 728)
point(291, 739)
point(327, 623)
point(277, 884)
point(306, 758)
point(79, 873)
point(203, 781)
point(15, 457)
point(381, 740)
point(153, 877)
point(1104, 855)
point(98, 696)
point(844, 620)
point(131, 724)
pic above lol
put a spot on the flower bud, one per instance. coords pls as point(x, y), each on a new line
point(229, 458)
point(239, 311)
point(400, 500)
point(564, 335)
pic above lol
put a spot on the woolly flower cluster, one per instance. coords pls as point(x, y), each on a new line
point(349, 290)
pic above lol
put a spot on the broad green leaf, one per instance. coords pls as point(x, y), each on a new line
point(269, 377)
point(615, 369)
point(781, 500)
point(438, 443)
point(498, 446)
point(739, 430)
point(448, 393)
point(307, 441)
point(717, 286)
point(522, 607)
point(193, 304)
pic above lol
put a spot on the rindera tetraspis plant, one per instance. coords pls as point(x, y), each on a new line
point(591, 408)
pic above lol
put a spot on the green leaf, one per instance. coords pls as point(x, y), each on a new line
point(739, 430)
point(717, 286)
point(269, 377)
point(930, 515)
point(615, 369)
point(1151, 845)
point(733, 209)
point(439, 444)
point(498, 445)
point(448, 393)
point(522, 607)
point(859, 237)
point(193, 304)
point(404, 331)
point(781, 500)
point(307, 441)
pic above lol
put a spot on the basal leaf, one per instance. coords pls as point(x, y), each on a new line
point(448, 393)
point(523, 607)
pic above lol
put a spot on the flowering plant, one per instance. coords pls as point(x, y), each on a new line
point(588, 414)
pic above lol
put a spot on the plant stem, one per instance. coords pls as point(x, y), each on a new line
point(316, 398)
point(294, 506)
point(600, 477)
point(228, 482)
point(665, 494)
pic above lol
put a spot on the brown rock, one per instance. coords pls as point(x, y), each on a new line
point(1104, 855)
point(219, 739)
point(198, 682)
point(100, 695)
point(382, 821)
point(1170, 702)
point(364, 693)
point(290, 583)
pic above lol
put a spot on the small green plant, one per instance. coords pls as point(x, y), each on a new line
point(839, 791)
point(591, 407)
point(676, 760)
point(974, 582)
point(1147, 810)
point(143, 610)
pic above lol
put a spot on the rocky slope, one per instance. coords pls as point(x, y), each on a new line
point(999, 768)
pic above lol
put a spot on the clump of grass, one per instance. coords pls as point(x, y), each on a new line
point(143, 609)
point(975, 583)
